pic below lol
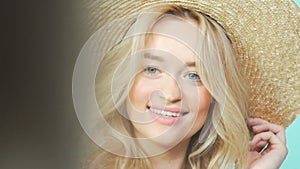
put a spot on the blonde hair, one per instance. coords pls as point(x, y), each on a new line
point(226, 137)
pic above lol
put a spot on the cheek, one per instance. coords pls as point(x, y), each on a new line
point(198, 99)
point(139, 94)
point(204, 100)
point(201, 103)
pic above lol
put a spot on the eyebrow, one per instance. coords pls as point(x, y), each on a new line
point(153, 57)
point(161, 59)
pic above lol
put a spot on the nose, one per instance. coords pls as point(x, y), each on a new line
point(171, 90)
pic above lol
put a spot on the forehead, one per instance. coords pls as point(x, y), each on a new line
point(183, 30)
point(175, 35)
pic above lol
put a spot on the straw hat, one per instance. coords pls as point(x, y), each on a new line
point(265, 35)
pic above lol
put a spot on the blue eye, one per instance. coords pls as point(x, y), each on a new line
point(193, 76)
point(151, 70)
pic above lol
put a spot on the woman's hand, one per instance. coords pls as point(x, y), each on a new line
point(272, 156)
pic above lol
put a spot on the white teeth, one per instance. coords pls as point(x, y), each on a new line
point(165, 113)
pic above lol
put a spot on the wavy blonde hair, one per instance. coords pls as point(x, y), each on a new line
point(226, 137)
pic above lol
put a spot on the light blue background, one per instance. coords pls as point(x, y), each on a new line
point(293, 139)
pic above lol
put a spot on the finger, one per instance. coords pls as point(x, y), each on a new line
point(258, 146)
point(268, 127)
point(268, 137)
point(256, 121)
point(279, 131)
point(261, 144)
point(276, 129)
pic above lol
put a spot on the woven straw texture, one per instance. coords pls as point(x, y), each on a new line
point(264, 33)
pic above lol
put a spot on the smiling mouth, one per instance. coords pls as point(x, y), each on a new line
point(167, 114)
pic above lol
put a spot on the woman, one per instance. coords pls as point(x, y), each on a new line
point(174, 98)
point(170, 91)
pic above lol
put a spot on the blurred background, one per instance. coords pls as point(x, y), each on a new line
point(40, 41)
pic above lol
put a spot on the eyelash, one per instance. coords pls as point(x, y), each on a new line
point(194, 74)
point(149, 71)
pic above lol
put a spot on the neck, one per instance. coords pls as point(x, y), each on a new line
point(172, 159)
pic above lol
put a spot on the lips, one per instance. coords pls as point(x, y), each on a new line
point(168, 112)
point(167, 115)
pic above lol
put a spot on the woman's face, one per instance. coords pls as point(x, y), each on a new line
point(167, 101)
